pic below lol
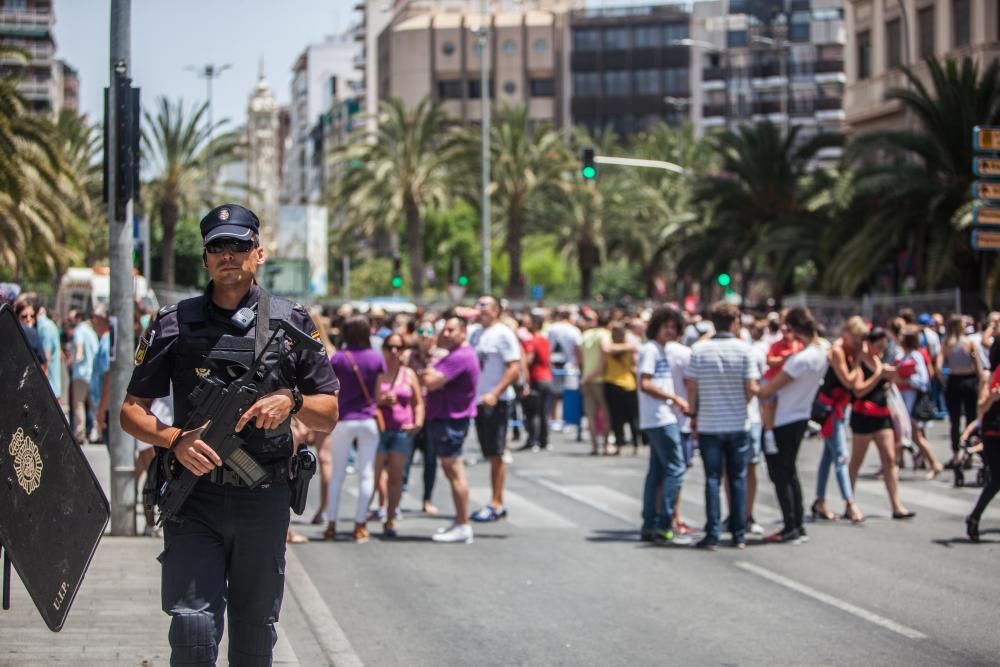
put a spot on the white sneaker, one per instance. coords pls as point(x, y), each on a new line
point(507, 457)
point(457, 534)
point(755, 529)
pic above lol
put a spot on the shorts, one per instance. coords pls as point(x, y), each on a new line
point(447, 436)
point(395, 442)
point(593, 401)
point(867, 424)
point(491, 428)
point(756, 436)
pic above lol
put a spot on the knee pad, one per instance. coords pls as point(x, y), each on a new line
point(193, 639)
point(251, 644)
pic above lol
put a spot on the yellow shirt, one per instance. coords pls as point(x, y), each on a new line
point(591, 350)
point(619, 369)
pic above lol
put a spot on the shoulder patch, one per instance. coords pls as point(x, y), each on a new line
point(144, 343)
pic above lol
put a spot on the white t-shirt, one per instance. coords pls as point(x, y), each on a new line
point(758, 353)
point(564, 338)
point(653, 410)
point(496, 347)
point(795, 399)
point(679, 357)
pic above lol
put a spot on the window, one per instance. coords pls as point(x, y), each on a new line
point(449, 90)
point(736, 38)
point(587, 40)
point(540, 46)
point(542, 87)
point(673, 32)
point(645, 37)
point(960, 20)
point(509, 87)
point(615, 39)
point(646, 82)
point(675, 81)
point(864, 55)
point(474, 89)
point(448, 48)
point(587, 84)
point(893, 43)
point(616, 82)
point(925, 30)
point(509, 47)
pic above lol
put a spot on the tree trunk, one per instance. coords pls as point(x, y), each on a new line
point(169, 213)
point(414, 244)
point(588, 257)
point(515, 232)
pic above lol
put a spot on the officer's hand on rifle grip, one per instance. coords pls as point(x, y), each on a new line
point(195, 454)
point(269, 411)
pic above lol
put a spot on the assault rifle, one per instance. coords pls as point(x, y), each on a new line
point(222, 405)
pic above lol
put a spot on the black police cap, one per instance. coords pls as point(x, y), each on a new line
point(229, 221)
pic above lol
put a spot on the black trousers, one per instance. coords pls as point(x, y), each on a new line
point(537, 405)
point(961, 395)
point(423, 443)
point(228, 550)
point(783, 473)
point(623, 408)
point(991, 454)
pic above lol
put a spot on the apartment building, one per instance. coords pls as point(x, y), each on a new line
point(883, 36)
point(46, 82)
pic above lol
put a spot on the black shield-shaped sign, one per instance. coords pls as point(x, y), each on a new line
point(52, 509)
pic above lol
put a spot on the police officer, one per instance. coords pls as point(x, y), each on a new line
point(228, 542)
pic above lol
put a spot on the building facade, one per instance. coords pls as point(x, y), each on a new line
point(47, 83)
point(263, 167)
point(776, 60)
point(882, 39)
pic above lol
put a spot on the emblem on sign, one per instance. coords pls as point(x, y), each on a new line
point(27, 461)
point(224, 214)
point(201, 372)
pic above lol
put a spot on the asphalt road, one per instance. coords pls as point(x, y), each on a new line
point(565, 581)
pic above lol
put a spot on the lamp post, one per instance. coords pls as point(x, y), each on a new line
point(209, 72)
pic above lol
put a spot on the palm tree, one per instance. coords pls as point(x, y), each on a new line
point(175, 146)
point(399, 173)
point(527, 164)
point(35, 182)
point(760, 203)
point(912, 187)
point(82, 145)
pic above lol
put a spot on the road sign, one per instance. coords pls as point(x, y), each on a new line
point(986, 239)
point(986, 166)
point(986, 190)
point(537, 292)
point(985, 139)
point(986, 216)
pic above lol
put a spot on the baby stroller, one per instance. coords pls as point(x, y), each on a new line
point(971, 449)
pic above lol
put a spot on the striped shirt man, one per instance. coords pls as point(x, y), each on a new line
point(721, 367)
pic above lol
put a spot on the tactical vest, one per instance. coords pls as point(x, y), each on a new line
point(205, 347)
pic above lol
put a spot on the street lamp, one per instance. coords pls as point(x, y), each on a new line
point(209, 72)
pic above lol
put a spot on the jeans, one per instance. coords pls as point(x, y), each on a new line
point(666, 469)
point(423, 443)
point(687, 444)
point(835, 453)
point(365, 433)
point(729, 450)
point(781, 468)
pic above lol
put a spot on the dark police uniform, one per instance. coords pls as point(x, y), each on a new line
point(228, 547)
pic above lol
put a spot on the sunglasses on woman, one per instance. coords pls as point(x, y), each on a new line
point(394, 348)
point(425, 332)
point(236, 245)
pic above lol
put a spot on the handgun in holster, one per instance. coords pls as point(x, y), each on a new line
point(301, 471)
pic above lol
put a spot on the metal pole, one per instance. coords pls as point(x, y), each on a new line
point(484, 92)
point(122, 300)
point(346, 263)
point(209, 176)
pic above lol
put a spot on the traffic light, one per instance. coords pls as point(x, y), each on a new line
point(588, 170)
point(397, 273)
point(724, 279)
point(463, 280)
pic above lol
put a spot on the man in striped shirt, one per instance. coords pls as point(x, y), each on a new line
point(720, 380)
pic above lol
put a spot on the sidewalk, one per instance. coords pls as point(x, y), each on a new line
point(116, 617)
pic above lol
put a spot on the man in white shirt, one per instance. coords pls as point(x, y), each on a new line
point(499, 354)
point(565, 339)
point(658, 422)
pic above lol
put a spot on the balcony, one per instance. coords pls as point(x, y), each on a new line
point(713, 74)
point(766, 107)
point(829, 103)
point(360, 61)
point(713, 110)
point(828, 66)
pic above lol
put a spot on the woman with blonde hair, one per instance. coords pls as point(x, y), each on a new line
point(961, 394)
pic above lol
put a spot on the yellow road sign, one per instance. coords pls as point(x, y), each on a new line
point(986, 216)
point(986, 138)
point(986, 190)
point(983, 239)
point(986, 166)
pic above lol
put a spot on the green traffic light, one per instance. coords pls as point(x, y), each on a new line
point(724, 279)
point(463, 281)
point(589, 172)
point(397, 282)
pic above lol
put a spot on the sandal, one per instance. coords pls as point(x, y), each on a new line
point(294, 538)
point(330, 533)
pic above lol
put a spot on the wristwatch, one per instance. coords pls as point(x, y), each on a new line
point(296, 400)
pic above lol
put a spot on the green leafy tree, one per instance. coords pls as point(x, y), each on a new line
point(398, 174)
point(82, 146)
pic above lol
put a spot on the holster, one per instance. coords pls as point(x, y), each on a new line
point(154, 479)
point(301, 472)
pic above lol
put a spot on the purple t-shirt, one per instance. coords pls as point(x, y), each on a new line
point(353, 404)
point(457, 398)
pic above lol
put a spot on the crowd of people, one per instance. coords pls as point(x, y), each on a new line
point(734, 389)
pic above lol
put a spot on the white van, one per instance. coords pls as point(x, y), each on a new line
point(83, 288)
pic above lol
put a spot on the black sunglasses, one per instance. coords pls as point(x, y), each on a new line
point(236, 245)
point(394, 347)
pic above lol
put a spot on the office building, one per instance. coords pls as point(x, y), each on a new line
point(46, 82)
point(882, 39)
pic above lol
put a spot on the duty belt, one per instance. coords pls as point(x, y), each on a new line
point(224, 476)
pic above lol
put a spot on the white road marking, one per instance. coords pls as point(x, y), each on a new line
point(584, 493)
point(837, 603)
point(327, 632)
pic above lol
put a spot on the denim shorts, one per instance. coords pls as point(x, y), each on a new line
point(447, 436)
point(756, 441)
point(395, 442)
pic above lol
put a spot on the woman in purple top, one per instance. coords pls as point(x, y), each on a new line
point(400, 398)
point(357, 367)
